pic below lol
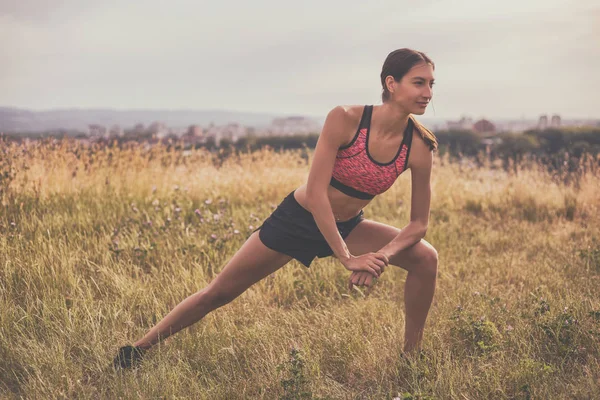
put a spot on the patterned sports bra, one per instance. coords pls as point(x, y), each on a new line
point(357, 174)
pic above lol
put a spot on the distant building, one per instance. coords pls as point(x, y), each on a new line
point(115, 131)
point(194, 131)
point(231, 132)
point(293, 125)
point(194, 135)
point(484, 126)
point(464, 124)
point(521, 125)
point(543, 122)
point(158, 129)
point(555, 122)
point(97, 131)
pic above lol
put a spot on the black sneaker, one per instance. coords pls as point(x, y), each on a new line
point(128, 357)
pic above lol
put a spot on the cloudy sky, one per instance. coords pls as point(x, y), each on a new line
point(494, 59)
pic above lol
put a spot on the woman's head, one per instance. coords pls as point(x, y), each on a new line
point(407, 79)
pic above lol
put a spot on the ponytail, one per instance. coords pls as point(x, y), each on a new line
point(425, 134)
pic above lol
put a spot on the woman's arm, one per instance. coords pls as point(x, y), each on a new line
point(420, 163)
point(337, 126)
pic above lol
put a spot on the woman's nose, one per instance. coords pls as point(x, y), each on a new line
point(428, 92)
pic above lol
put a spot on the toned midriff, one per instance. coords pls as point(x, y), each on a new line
point(344, 207)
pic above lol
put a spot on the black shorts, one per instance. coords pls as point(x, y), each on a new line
point(292, 230)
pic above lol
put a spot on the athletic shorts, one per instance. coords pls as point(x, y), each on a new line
point(292, 230)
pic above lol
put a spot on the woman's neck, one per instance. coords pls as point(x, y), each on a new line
point(391, 120)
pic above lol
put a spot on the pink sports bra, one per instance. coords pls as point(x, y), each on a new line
point(357, 174)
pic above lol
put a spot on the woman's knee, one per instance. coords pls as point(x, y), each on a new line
point(428, 263)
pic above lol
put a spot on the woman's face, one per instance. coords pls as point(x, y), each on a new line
point(415, 89)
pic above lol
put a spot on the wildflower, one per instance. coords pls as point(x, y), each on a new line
point(208, 201)
point(176, 187)
point(197, 212)
point(155, 202)
point(153, 189)
point(177, 209)
point(213, 236)
point(509, 328)
point(216, 217)
point(13, 224)
point(250, 227)
point(236, 231)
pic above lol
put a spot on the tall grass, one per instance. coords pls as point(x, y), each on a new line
point(99, 243)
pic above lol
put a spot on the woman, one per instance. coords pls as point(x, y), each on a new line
point(360, 153)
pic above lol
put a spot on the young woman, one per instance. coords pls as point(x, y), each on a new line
point(360, 153)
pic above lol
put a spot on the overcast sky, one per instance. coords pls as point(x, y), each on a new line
point(494, 59)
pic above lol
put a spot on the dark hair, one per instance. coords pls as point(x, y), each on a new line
point(397, 64)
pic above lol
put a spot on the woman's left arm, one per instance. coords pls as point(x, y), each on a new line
point(420, 163)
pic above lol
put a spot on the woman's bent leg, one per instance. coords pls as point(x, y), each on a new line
point(252, 262)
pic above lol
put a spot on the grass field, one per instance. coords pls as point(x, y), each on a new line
point(98, 244)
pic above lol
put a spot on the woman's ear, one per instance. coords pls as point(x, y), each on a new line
point(390, 83)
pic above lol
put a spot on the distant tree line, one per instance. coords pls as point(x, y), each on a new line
point(552, 147)
point(549, 146)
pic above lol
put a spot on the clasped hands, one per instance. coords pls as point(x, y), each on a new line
point(365, 268)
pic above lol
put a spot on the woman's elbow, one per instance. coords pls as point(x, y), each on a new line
point(315, 199)
point(421, 229)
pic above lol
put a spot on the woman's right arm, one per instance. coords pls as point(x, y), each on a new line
point(336, 129)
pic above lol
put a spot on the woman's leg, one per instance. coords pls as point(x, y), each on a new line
point(252, 262)
point(421, 262)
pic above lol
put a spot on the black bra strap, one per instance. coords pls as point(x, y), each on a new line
point(350, 191)
point(408, 132)
point(365, 120)
point(408, 135)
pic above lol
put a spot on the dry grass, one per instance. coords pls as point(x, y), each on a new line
point(97, 244)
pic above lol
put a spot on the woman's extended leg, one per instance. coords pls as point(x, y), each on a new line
point(252, 262)
point(421, 262)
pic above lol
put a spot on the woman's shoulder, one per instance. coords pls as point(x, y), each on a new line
point(341, 124)
point(346, 115)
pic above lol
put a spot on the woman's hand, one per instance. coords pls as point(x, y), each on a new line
point(361, 278)
point(373, 263)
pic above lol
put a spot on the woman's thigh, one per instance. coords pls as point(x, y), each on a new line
point(251, 263)
point(371, 236)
